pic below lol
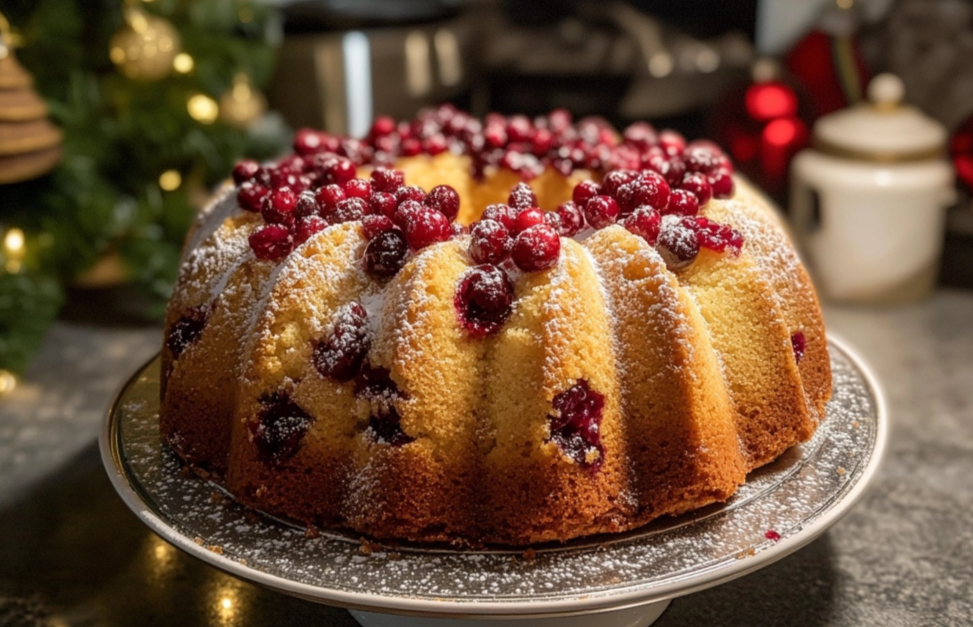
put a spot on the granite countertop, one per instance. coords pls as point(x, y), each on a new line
point(72, 554)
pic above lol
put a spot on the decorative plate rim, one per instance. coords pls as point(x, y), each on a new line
point(629, 595)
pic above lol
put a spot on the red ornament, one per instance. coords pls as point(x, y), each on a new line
point(961, 150)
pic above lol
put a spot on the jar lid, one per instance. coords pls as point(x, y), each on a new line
point(882, 130)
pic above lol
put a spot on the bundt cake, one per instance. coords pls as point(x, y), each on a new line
point(510, 331)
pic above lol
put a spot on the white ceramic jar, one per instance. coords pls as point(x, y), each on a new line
point(869, 199)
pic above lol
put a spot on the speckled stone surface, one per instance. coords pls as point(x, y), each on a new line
point(72, 554)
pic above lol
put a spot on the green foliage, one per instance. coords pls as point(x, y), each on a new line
point(120, 135)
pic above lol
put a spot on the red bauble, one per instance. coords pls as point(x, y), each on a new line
point(961, 150)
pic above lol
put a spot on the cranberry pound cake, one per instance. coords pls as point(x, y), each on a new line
point(504, 331)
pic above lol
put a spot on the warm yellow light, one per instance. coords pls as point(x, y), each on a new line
point(170, 180)
point(203, 109)
point(183, 63)
point(226, 602)
point(846, 4)
point(117, 55)
point(8, 382)
point(13, 243)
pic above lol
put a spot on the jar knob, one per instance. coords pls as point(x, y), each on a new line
point(886, 91)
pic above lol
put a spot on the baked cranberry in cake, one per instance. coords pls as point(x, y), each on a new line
point(680, 240)
point(799, 344)
point(717, 237)
point(271, 242)
point(279, 427)
point(385, 255)
point(374, 383)
point(186, 330)
point(483, 299)
point(536, 249)
point(575, 425)
point(340, 356)
point(385, 426)
point(489, 242)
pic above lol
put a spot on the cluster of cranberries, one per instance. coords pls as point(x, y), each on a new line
point(186, 330)
point(279, 427)
point(576, 424)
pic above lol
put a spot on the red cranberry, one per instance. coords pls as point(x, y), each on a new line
point(263, 176)
point(358, 188)
point(528, 218)
point(553, 220)
point(721, 181)
point(375, 383)
point(382, 203)
point(386, 427)
point(445, 200)
point(459, 230)
point(383, 125)
point(772, 535)
point(672, 142)
point(306, 227)
point(483, 299)
point(489, 242)
point(575, 424)
point(651, 189)
point(434, 145)
point(799, 344)
point(426, 228)
point(385, 255)
point(572, 218)
point(542, 142)
point(701, 158)
point(279, 205)
point(279, 427)
point(341, 355)
point(373, 225)
point(681, 241)
point(504, 214)
point(519, 128)
point(409, 192)
point(271, 242)
point(348, 210)
point(308, 141)
point(601, 211)
point(411, 147)
point(641, 135)
point(406, 212)
point(495, 135)
point(682, 203)
point(387, 180)
point(585, 191)
point(522, 197)
point(283, 178)
point(341, 171)
point(646, 223)
point(306, 205)
point(537, 248)
point(186, 330)
point(328, 197)
point(615, 179)
point(717, 237)
point(251, 196)
point(559, 120)
point(244, 171)
point(698, 185)
point(293, 164)
point(385, 145)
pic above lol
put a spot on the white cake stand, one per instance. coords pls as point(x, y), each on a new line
point(626, 580)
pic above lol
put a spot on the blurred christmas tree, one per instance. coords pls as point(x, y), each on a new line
point(156, 100)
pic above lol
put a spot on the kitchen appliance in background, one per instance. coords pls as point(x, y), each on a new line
point(343, 62)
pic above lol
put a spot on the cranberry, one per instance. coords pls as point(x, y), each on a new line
point(489, 242)
point(458, 229)
point(410, 192)
point(341, 171)
point(698, 185)
point(376, 384)
point(426, 228)
point(445, 200)
point(244, 171)
point(799, 344)
point(641, 135)
point(358, 188)
point(348, 210)
point(382, 203)
point(504, 214)
point(651, 189)
point(279, 427)
point(186, 330)
point(383, 125)
point(292, 164)
point(702, 158)
point(553, 220)
point(387, 180)
point(559, 120)
point(283, 178)
point(411, 147)
point(385, 145)
point(672, 168)
point(615, 179)
point(341, 355)
point(519, 128)
point(601, 211)
point(251, 196)
point(644, 222)
point(772, 535)
point(263, 176)
point(537, 248)
point(386, 427)
point(385, 255)
point(541, 142)
point(584, 191)
point(721, 181)
point(328, 197)
point(483, 300)
point(271, 242)
point(308, 141)
point(681, 241)
point(406, 212)
point(717, 237)
point(528, 218)
point(672, 142)
point(522, 197)
point(495, 135)
point(304, 228)
point(279, 205)
point(373, 225)
point(575, 424)
point(682, 203)
point(434, 145)
point(572, 218)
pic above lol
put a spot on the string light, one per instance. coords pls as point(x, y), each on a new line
point(183, 63)
point(203, 109)
point(14, 248)
point(8, 382)
point(170, 180)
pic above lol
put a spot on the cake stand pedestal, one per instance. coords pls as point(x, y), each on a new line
point(624, 580)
